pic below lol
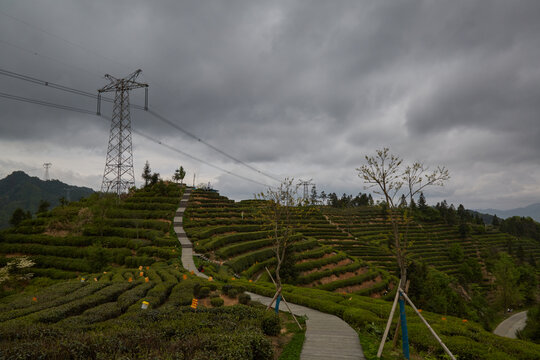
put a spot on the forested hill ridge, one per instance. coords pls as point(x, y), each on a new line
point(19, 190)
point(532, 211)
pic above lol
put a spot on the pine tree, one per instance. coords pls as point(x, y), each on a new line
point(422, 205)
point(147, 174)
point(314, 196)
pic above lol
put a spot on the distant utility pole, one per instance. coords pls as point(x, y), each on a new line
point(119, 175)
point(47, 166)
point(306, 186)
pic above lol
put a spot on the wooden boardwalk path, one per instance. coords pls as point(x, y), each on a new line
point(327, 336)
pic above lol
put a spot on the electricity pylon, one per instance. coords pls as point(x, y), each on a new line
point(119, 176)
point(47, 166)
point(306, 185)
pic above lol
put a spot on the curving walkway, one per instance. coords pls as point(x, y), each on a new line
point(327, 336)
point(510, 326)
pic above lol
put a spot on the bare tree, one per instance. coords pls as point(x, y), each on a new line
point(279, 210)
point(387, 174)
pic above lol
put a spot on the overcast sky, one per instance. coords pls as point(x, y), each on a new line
point(301, 89)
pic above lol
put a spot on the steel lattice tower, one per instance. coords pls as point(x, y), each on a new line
point(47, 166)
point(119, 175)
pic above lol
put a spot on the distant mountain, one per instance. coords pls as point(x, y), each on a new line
point(532, 210)
point(19, 190)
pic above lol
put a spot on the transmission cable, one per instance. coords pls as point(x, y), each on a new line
point(138, 107)
point(138, 132)
point(46, 103)
point(179, 128)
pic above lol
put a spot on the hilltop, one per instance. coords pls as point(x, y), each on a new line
point(19, 190)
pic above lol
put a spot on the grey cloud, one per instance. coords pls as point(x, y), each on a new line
point(296, 88)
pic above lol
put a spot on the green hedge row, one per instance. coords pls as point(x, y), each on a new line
point(93, 230)
point(160, 252)
point(54, 273)
point(174, 200)
point(45, 295)
point(313, 254)
point(230, 239)
point(45, 261)
point(68, 294)
point(138, 214)
point(307, 279)
point(319, 262)
point(162, 226)
point(242, 262)
point(149, 206)
point(38, 249)
point(235, 249)
point(136, 261)
point(55, 314)
point(255, 268)
point(206, 233)
point(355, 280)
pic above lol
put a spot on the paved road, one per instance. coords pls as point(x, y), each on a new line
point(327, 336)
point(509, 326)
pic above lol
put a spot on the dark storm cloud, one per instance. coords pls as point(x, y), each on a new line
point(297, 88)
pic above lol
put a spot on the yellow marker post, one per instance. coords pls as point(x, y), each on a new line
point(144, 305)
point(194, 304)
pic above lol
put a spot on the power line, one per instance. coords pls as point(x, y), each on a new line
point(88, 112)
point(197, 159)
point(138, 107)
point(45, 103)
point(179, 128)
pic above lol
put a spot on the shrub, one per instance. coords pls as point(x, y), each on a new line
point(244, 298)
point(232, 293)
point(270, 324)
point(225, 289)
point(204, 292)
point(216, 302)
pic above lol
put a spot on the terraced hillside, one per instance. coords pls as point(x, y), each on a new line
point(102, 316)
point(95, 233)
point(127, 295)
point(234, 234)
point(431, 242)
